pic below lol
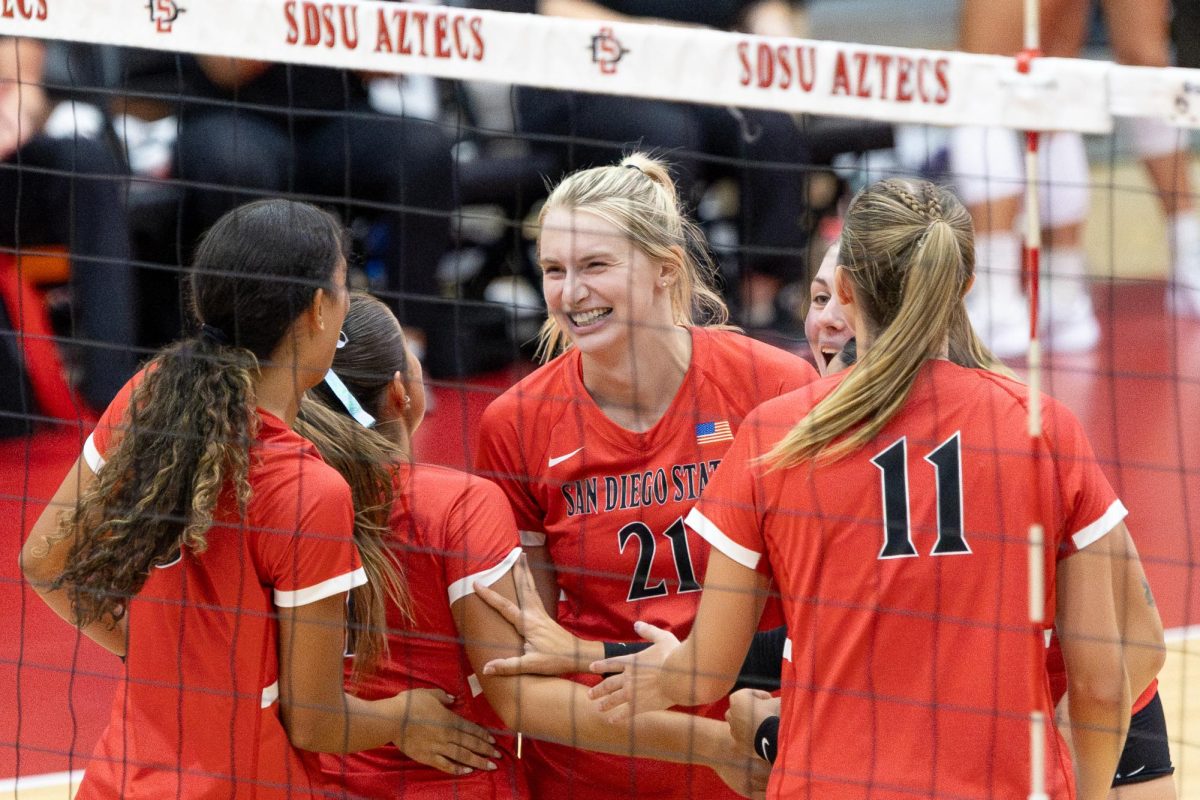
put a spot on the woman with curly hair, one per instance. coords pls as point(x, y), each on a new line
point(206, 543)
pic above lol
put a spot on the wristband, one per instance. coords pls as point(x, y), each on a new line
point(618, 649)
point(766, 739)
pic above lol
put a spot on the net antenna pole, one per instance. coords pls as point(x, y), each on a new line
point(1032, 253)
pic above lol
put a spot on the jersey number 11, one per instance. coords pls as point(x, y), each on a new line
point(946, 459)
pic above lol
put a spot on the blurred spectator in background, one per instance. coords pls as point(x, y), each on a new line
point(989, 169)
point(765, 151)
point(253, 128)
point(68, 191)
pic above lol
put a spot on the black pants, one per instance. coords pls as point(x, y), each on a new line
point(764, 150)
point(394, 167)
point(72, 192)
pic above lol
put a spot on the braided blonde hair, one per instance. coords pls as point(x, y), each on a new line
point(910, 252)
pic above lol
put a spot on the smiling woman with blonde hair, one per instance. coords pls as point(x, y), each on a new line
point(605, 449)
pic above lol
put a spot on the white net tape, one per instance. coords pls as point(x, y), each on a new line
point(686, 64)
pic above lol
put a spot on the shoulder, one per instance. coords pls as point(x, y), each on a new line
point(730, 350)
point(432, 485)
point(545, 387)
point(544, 395)
point(441, 504)
point(287, 466)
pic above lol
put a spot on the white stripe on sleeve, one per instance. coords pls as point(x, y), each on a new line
point(269, 695)
point(91, 455)
point(533, 538)
point(465, 586)
point(311, 594)
point(1096, 530)
point(717, 538)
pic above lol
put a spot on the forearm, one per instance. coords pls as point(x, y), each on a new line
point(1099, 723)
point(22, 59)
point(771, 18)
point(111, 637)
point(348, 724)
point(662, 735)
point(685, 683)
point(762, 668)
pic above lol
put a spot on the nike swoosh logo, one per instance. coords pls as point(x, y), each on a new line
point(763, 745)
point(556, 461)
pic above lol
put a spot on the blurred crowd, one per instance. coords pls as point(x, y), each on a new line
point(125, 157)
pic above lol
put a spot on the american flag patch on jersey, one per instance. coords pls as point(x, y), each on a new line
point(707, 432)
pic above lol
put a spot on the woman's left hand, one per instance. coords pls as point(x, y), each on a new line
point(549, 648)
point(637, 686)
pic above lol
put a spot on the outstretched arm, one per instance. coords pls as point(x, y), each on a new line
point(522, 702)
point(551, 650)
point(703, 668)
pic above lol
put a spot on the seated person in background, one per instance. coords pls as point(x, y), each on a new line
point(770, 149)
point(50, 195)
point(281, 136)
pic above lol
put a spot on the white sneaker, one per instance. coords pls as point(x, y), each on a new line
point(1183, 301)
point(998, 309)
point(1183, 293)
point(1001, 320)
point(1068, 323)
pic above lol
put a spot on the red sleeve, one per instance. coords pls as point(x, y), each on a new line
point(797, 373)
point(308, 548)
point(481, 539)
point(729, 515)
point(111, 426)
point(1090, 507)
point(500, 459)
point(772, 369)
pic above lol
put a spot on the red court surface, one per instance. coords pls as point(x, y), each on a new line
point(1138, 395)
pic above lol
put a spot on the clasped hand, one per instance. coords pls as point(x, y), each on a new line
point(638, 684)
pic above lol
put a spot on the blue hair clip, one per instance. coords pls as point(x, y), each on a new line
point(348, 400)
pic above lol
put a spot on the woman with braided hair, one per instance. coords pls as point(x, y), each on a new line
point(203, 541)
point(905, 598)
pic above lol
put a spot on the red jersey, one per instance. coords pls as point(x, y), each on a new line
point(609, 506)
point(903, 573)
point(197, 715)
point(451, 529)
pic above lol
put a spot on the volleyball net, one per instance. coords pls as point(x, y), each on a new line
point(448, 122)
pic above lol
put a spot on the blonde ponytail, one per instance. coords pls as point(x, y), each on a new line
point(908, 247)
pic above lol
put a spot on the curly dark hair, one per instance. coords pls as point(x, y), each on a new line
point(191, 418)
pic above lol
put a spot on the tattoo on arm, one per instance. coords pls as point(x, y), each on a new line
point(1149, 594)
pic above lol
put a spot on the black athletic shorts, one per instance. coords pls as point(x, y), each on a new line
point(1146, 755)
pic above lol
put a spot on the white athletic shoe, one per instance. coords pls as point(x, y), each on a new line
point(1068, 322)
point(1183, 293)
point(1001, 319)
